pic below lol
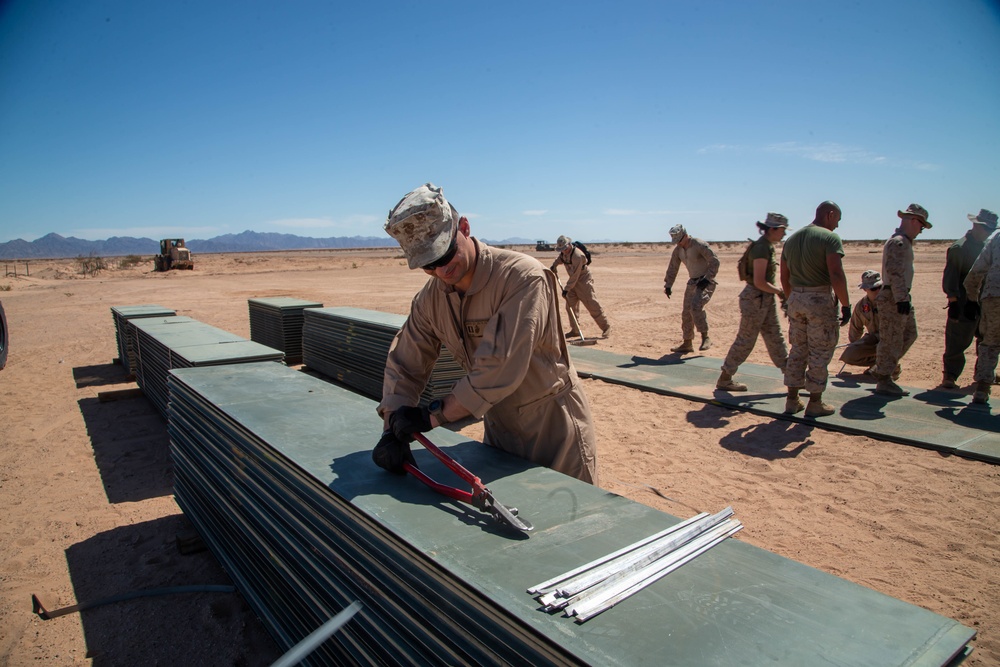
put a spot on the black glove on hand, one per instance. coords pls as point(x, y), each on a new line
point(406, 421)
point(565, 292)
point(703, 283)
point(784, 305)
point(845, 315)
point(954, 310)
point(667, 291)
point(903, 307)
point(971, 310)
point(391, 454)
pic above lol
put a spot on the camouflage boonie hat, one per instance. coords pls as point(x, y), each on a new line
point(424, 223)
point(917, 211)
point(562, 242)
point(774, 220)
point(870, 280)
point(985, 217)
point(677, 232)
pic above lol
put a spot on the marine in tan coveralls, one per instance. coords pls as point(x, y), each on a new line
point(497, 312)
point(897, 319)
point(579, 287)
point(758, 307)
point(702, 265)
point(862, 331)
point(982, 287)
point(812, 277)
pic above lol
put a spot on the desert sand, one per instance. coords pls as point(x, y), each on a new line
point(86, 486)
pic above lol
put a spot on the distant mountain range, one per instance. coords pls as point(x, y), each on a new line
point(54, 246)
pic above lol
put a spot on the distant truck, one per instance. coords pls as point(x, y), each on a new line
point(542, 246)
point(173, 255)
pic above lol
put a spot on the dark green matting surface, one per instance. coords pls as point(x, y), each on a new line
point(736, 604)
point(932, 419)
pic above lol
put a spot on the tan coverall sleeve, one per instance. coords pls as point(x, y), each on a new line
point(410, 362)
point(575, 269)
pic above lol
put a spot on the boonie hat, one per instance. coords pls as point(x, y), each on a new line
point(774, 220)
point(870, 280)
point(917, 211)
point(562, 242)
point(985, 217)
point(677, 232)
point(424, 223)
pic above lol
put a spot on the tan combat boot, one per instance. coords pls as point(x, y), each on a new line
point(706, 343)
point(886, 387)
point(793, 403)
point(817, 408)
point(982, 393)
point(726, 383)
point(684, 348)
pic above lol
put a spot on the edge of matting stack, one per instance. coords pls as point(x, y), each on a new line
point(351, 345)
point(277, 322)
point(125, 335)
point(163, 343)
point(273, 466)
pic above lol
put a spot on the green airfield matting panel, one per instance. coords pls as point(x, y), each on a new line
point(932, 419)
point(735, 604)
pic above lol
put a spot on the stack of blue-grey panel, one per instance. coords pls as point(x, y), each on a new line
point(352, 344)
point(125, 335)
point(277, 322)
point(162, 343)
point(274, 469)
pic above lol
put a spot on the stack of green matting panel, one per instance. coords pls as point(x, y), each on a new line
point(125, 335)
point(163, 343)
point(277, 322)
point(352, 344)
point(274, 468)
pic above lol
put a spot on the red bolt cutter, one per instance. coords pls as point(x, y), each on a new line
point(480, 497)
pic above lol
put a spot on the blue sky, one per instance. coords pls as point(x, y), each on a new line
point(598, 120)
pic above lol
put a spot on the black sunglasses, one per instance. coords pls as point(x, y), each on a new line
point(446, 258)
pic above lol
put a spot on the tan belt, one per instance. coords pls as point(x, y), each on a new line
point(821, 288)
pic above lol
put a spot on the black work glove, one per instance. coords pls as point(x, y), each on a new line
point(565, 292)
point(703, 283)
point(406, 421)
point(971, 310)
point(784, 305)
point(845, 315)
point(667, 291)
point(391, 454)
point(903, 307)
point(954, 310)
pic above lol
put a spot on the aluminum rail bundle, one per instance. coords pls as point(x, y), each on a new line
point(583, 591)
point(350, 345)
point(125, 335)
point(277, 322)
point(634, 559)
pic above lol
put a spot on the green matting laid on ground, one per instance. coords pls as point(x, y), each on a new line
point(928, 418)
point(274, 467)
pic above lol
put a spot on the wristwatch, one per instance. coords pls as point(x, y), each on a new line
point(436, 408)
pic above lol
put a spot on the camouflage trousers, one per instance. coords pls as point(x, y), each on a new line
point(989, 347)
point(861, 352)
point(758, 316)
point(813, 332)
point(583, 292)
point(693, 311)
point(896, 333)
